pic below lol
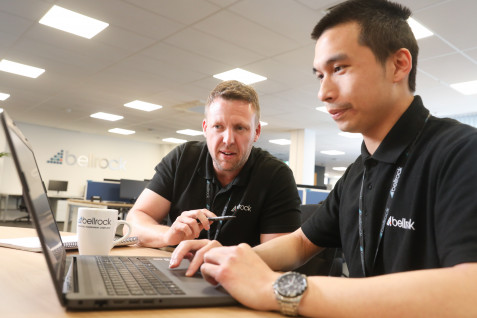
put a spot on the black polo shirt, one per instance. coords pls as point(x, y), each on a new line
point(432, 221)
point(264, 196)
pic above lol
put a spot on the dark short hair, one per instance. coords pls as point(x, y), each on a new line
point(235, 90)
point(384, 28)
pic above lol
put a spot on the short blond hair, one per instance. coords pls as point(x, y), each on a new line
point(235, 90)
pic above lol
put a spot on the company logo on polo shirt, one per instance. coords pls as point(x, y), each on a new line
point(402, 223)
point(241, 207)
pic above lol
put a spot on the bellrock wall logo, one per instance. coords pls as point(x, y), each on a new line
point(90, 161)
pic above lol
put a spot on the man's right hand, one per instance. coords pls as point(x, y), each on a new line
point(194, 251)
point(186, 227)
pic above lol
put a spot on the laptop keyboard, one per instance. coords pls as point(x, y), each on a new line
point(134, 276)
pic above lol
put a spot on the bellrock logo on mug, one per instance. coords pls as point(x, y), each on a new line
point(96, 229)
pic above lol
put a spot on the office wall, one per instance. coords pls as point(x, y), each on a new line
point(80, 157)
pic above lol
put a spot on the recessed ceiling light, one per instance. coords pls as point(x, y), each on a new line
point(282, 142)
point(240, 75)
point(418, 29)
point(339, 168)
point(122, 131)
point(20, 69)
point(350, 135)
point(106, 116)
point(72, 22)
point(466, 88)
point(174, 140)
point(332, 152)
point(190, 132)
point(263, 123)
point(147, 107)
point(322, 109)
point(4, 96)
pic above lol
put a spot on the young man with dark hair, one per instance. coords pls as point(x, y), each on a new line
point(225, 175)
point(404, 212)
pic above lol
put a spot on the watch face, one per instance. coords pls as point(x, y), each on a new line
point(291, 284)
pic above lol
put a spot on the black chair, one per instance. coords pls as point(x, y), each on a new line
point(328, 262)
point(22, 208)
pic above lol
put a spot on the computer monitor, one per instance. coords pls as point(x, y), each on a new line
point(130, 190)
point(57, 185)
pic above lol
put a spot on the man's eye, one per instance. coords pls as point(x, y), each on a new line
point(338, 68)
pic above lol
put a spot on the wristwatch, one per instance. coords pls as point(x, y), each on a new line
point(289, 289)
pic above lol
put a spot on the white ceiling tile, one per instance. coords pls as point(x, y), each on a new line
point(455, 28)
point(449, 68)
point(247, 34)
point(225, 51)
point(276, 19)
point(184, 11)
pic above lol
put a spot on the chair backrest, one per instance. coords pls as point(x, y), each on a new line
point(328, 262)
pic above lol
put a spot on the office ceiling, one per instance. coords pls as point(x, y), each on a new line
point(166, 51)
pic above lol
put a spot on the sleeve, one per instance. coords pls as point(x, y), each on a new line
point(282, 205)
point(163, 180)
point(455, 203)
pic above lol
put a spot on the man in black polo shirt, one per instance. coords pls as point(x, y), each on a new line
point(404, 212)
point(224, 176)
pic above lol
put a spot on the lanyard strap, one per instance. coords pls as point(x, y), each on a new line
point(208, 204)
point(389, 200)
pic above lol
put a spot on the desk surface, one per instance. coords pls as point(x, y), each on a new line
point(27, 291)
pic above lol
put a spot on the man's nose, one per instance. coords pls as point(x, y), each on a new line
point(327, 91)
point(228, 136)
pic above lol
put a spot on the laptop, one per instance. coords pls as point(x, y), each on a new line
point(83, 282)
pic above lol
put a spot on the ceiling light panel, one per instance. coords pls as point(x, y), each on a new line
point(332, 152)
point(190, 132)
point(121, 131)
point(350, 135)
point(20, 69)
point(281, 142)
point(240, 75)
point(72, 22)
point(418, 29)
point(339, 168)
point(174, 140)
point(144, 106)
point(106, 116)
point(4, 96)
point(466, 88)
point(322, 109)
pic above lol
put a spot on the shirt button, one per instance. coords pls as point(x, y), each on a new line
point(370, 186)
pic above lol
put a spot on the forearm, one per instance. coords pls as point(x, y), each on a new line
point(147, 229)
point(448, 292)
point(286, 252)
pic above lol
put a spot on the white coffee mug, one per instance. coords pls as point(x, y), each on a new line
point(96, 229)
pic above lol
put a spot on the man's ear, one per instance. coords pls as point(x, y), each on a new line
point(258, 130)
point(204, 126)
point(402, 62)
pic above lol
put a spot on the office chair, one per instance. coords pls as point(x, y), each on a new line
point(328, 262)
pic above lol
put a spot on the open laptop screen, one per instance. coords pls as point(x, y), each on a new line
point(34, 194)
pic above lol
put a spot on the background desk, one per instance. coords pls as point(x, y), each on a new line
point(72, 204)
point(26, 288)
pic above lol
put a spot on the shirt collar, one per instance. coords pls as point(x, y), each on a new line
point(401, 135)
point(240, 180)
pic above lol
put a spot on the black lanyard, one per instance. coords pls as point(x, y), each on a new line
point(387, 208)
point(208, 205)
